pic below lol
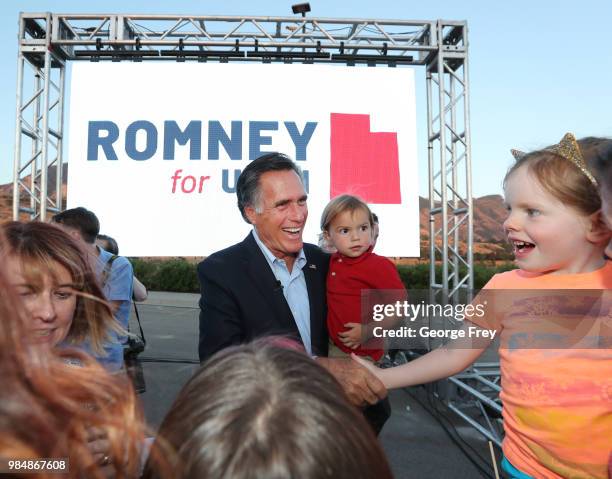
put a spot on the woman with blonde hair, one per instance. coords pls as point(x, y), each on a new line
point(58, 287)
point(84, 419)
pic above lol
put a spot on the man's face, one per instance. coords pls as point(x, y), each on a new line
point(282, 213)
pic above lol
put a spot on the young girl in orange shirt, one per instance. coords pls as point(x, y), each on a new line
point(557, 403)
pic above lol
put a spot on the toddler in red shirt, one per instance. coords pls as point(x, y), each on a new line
point(347, 225)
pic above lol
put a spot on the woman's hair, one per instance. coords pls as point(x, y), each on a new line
point(560, 177)
point(39, 247)
point(47, 406)
point(339, 205)
point(111, 245)
point(263, 410)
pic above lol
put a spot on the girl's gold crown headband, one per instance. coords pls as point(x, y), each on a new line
point(567, 148)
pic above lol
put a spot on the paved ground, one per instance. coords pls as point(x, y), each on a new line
point(414, 440)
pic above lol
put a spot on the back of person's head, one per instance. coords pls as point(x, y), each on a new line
point(48, 407)
point(560, 176)
point(599, 155)
point(40, 248)
point(108, 243)
point(264, 411)
point(82, 220)
point(248, 185)
point(602, 164)
point(343, 203)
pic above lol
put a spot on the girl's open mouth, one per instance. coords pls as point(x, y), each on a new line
point(522, 248)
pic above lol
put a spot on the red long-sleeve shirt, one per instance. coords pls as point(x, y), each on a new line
point(346, 279)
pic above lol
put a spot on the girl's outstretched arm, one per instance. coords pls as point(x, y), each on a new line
point(440, 363)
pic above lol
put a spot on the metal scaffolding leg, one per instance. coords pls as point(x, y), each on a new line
point(39, 121)
point(476, 397)
point(450, 188)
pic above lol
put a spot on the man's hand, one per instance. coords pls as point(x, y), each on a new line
point(351, 338)
point(360, 385)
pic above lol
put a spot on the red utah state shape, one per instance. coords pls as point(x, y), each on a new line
point(363, 163)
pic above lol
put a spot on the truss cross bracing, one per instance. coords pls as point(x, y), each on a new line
point(48, 41)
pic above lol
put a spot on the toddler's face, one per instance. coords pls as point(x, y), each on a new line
point(350, 233)
point(546, 235)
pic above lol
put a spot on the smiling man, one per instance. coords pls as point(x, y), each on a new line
point(272, 283)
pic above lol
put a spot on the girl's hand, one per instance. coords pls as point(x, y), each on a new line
point(367, 364)
point(352, 336)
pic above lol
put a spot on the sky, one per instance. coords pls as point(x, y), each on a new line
point(538, 69)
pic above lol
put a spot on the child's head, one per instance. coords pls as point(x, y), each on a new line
point(554, 222)
point(347, 224)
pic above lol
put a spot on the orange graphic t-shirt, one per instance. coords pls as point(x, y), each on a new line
point(557, 403)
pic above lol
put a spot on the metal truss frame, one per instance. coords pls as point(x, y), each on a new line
point(48, 41)
point(449, 156)
point(39, 124)
point(475, 398)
